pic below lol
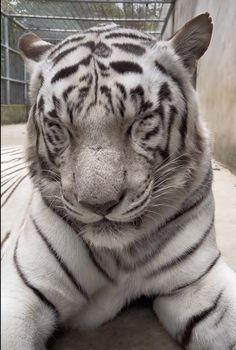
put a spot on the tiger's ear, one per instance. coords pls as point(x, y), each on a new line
point(193, 39)
point(32, 49)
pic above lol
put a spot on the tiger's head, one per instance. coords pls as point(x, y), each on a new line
point(114, 138)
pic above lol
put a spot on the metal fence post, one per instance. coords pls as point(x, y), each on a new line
point(25, 87)
point(7, 63)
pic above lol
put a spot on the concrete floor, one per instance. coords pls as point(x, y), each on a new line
point(13, 134)
point(137, 328)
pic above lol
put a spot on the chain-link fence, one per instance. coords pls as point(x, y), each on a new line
point(13, 74)
point(53, 20)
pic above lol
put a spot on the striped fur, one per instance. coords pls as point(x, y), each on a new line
point(114, 124)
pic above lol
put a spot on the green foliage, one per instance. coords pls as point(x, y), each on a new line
point(9, 5)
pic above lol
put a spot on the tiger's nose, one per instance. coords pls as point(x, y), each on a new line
point(100, 209)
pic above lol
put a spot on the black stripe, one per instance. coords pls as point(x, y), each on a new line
point(68, 91)
point(37, 133)
point(131, 48)
point(138, 91)
point(164, 92)
point(56, 102)
point(216, 324)
point(66, 72)
point(122, 90)
point(161, 68)
point(95, 90)
point(107, 92)
point(49, 153)
point(145, 187)
point(148, 159)
point(84, 77)
point(172, 114)
point(46, 170)
point(102, 66)
point(98, 266)
point(145, 106)
point(73, 40)
point(70, 113)
point(183, 127)
point(121, 107)
point(89, 44)
point(208, 269)
point(41, 79)
point(196, 319)
point(35, 290)
point(83, 92)
point(149, 116)
point(86, 60)
point(151, 133)
point(64, 43)
point(5, 239)
point(124, 67)
point(185, 255)
point(53, 114)
point(96, 85)
point(41, 104)
point(127, 35)
point(162, 152)
point(60, 261)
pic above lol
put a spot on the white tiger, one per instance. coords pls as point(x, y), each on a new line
point(122, 203)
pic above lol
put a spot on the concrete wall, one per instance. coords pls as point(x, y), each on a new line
point(216, 74)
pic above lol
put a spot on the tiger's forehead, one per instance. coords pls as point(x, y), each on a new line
point(113, 48)
point(107, 34)
point(106, 68)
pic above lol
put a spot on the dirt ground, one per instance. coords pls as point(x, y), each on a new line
point(137, 328)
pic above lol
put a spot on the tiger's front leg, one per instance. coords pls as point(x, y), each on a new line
point(23, 326)
point(28, 318)
point(202, 316)
point(26, 323)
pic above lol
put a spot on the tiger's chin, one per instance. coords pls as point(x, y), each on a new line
point(110, 234)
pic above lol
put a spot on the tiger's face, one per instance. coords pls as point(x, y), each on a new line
point(114, 134)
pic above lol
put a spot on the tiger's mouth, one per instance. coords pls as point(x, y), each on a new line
point(106, 225)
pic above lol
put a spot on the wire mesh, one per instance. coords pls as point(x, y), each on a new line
point(56, 19)
point(53, 20)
